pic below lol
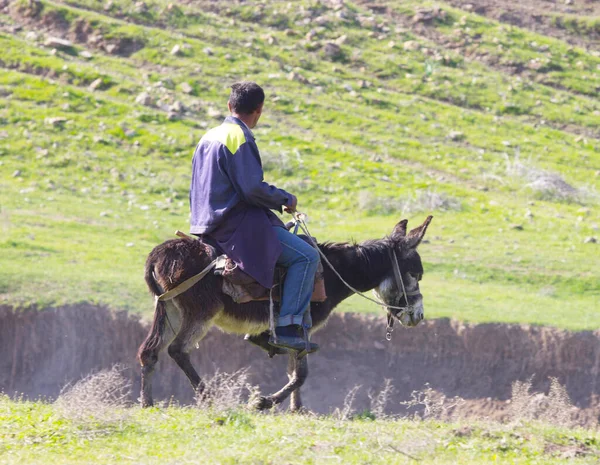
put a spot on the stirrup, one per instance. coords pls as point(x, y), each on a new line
point(306, 350)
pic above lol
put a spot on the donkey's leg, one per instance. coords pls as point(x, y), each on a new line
point(297, 375)
point(192, 331)
point(160, 335)
point(297, 368)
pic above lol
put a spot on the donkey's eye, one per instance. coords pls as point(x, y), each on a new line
point(416, 276)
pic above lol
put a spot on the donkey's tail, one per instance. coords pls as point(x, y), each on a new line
point(155, 339)
point(153, 286)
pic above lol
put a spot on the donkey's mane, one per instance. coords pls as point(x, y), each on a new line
point(373, 251)
point(373, 256)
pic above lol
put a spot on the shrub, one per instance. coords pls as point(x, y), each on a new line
point(226, 392)
point(554, 407)
point(431, 404)
point(545, 184)
point(99, 397)
point(425, 200)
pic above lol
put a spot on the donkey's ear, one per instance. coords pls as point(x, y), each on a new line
point(415, 237)
point(399, 231)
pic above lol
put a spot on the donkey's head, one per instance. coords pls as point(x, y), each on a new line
point(400, 288)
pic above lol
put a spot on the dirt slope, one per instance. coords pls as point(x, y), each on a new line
point(549, 17)
point(42, 350)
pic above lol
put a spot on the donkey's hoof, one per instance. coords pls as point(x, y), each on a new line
point(262, 341)
point(203, 398)
point(263, 403)
point(147, 403)
point(299, 410)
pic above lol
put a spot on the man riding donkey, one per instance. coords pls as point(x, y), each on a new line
point(231, 209)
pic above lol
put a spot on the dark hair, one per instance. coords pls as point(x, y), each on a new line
point(246, 97)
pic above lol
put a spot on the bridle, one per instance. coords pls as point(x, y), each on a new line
point(400, 285)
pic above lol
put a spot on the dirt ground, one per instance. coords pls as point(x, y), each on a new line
point(537, 16)
point(41, 351)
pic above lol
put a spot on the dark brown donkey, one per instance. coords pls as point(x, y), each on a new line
point(183, 321)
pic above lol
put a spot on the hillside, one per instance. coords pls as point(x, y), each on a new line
point(487, 118)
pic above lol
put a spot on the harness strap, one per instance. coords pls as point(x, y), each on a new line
point(185, 285)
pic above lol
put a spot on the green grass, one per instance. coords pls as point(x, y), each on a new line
point(37, 432)
point(579, 25)
point(83, 202)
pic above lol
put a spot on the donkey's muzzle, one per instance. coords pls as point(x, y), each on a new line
point(410, 317)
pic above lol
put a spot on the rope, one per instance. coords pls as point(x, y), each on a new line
point(272, 316)
point(299, 220)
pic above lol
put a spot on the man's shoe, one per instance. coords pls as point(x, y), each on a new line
point(288, 337)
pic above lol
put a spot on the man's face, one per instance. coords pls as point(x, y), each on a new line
point(256, 116)
point(250, 119)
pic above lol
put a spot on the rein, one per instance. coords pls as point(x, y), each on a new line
point(397, 275)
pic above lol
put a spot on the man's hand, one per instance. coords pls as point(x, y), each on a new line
point(291, 205)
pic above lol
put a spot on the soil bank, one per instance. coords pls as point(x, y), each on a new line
point(42, 350)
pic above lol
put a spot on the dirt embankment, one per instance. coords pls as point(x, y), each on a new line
point(556, 18)
point(40, 351)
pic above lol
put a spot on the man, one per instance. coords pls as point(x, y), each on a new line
point(231, 204)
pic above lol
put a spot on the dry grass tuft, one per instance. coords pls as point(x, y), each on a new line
point(380, 399)
point(546, 185)
point(553, 408)
point(347, 411)
point(378, 402)
point(279, 161)
point(432, 404)
point(425, 200)
point(99, 397)
point(428, 200)
point(227, 391)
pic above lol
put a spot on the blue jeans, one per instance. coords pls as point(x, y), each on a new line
point(301, 261)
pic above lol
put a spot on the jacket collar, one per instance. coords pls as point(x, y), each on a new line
point(239, 122)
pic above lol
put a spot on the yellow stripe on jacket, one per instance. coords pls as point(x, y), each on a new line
point(230, 135)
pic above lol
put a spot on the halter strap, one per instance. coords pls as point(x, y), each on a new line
point(398, 275)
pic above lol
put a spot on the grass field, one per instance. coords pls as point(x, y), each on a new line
point(491, 128)
point(92, 421)
point(38, 432)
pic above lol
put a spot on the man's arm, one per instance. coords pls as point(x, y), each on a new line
point(246, 175)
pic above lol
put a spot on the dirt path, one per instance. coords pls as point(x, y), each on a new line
point(40, 351)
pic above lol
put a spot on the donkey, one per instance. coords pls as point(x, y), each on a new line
point(179, 324)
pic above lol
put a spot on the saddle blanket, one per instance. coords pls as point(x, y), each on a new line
point(242, 288)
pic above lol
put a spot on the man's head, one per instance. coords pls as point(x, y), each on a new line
point(246, 102)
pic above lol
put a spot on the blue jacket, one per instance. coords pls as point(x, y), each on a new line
point(230, 201)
